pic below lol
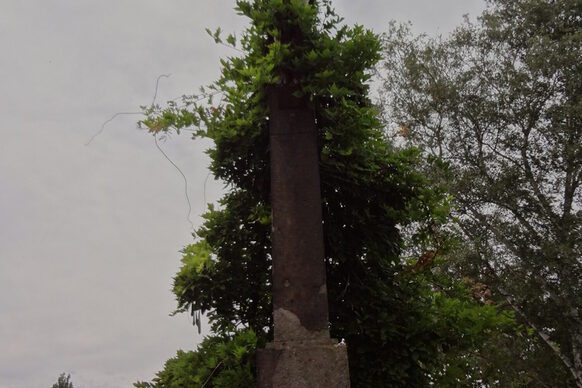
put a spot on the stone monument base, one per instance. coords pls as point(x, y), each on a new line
point(303, 364)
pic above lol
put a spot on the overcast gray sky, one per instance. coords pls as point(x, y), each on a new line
point(90, 235)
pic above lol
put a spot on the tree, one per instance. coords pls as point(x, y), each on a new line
point(398, 319)
point(499, 105)
point(64, 381)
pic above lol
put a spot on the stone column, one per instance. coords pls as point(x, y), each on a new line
point(302, 354)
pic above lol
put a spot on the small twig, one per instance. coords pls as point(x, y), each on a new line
point(183, 177)
point(157, 83)
point(108, 121)
point(208, 379)
point(128, 113)
point(232, 47)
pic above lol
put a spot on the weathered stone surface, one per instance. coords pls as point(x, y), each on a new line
point(302, 354)
point(297, 235)
point(289, 325)
point(303, 364)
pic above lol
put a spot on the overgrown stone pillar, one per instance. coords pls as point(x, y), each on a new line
point(302, 354)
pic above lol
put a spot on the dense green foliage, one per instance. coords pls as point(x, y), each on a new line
point(499, 103)
point(404, 322)
point(220, 361)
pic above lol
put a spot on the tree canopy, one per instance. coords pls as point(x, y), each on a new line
point(64, 381)
point(499, 103)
